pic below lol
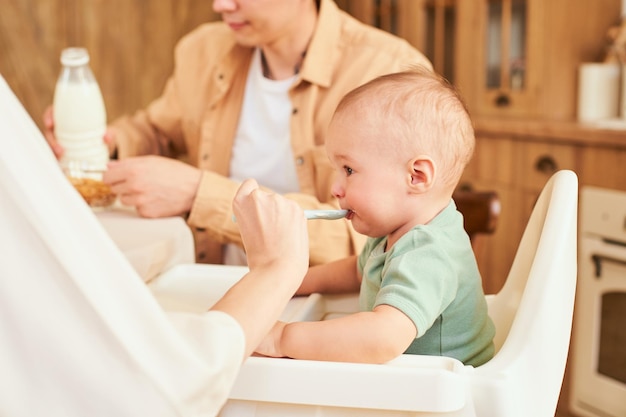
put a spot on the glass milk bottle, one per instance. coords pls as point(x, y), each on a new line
point(79, 112)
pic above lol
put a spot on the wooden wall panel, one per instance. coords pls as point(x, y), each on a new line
point(30, 35)
point(131, 43)
point(585, 40)
point(404, 18)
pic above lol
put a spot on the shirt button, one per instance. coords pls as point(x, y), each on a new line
point(299, 160)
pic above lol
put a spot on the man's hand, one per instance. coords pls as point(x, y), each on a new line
point(156, 186)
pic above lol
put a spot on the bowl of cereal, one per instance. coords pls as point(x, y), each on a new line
point(87, 180)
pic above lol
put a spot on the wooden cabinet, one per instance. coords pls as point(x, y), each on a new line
point(520, 58)
point(493, 168)
point(604, 166)
point(516, 159)
point(509, 58)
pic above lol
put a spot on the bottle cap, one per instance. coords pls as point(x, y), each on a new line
point(74, 57)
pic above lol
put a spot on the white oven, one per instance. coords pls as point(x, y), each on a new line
point(598, 384)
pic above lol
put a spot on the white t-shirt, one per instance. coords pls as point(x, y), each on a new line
point(262, 146)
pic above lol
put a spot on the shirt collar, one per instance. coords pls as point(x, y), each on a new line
point(321, 54)
point(318, 64)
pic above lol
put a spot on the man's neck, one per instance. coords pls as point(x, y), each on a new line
point(267, 73)
point(284, 58)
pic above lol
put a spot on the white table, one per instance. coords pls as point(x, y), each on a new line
point(151, 245)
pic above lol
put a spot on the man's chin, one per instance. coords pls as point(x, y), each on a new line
point(245, 40)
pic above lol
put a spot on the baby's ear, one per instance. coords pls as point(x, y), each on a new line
point(421, 174)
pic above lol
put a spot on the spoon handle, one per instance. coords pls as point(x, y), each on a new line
point(325, 214)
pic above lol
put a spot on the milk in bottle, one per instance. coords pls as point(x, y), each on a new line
point(79, 112)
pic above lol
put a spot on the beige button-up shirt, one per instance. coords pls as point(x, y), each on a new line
point(199, 109)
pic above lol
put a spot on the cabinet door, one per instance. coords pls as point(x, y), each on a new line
point(494, 57)
point(517, 170)
point(520, 58)
point(494, 161)
point(603, 167)
point(540, 160)
point(493, 168)
point(496, 253)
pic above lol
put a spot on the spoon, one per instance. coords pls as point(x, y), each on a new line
point(325, 214)
point(320, 214)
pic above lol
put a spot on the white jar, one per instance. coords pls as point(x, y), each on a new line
point(598, 91)
point(79, 112)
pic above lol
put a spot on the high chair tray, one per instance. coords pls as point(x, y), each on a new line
point(194, 288)
point(277, 385)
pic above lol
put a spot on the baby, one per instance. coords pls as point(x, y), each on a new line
point(399, 145)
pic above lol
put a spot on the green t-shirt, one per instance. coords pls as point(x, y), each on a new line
point(430, 274)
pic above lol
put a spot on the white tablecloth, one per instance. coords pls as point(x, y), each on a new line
point(151, 245)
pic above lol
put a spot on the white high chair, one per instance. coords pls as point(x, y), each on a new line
point(532, 314)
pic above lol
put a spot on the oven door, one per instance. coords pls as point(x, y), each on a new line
point(599, 363)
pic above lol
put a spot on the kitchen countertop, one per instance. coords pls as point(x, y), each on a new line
point(610, 133)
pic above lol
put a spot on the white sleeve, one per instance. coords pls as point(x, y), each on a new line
point(80, 333)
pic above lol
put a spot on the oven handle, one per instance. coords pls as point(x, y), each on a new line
point(597, 262)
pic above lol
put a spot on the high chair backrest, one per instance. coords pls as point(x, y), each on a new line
point(533, 311)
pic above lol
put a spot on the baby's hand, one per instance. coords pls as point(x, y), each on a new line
point(270, 345)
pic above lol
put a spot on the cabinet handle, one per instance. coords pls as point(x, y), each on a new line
point(502, 100)
point(546, 165)
point(597, 262)
point(465, 186)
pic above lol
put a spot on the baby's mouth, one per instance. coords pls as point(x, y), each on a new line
point(350, 214)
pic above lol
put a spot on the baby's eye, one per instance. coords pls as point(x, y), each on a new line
point(348, 170)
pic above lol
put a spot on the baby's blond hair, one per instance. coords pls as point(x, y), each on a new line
point(425, 115)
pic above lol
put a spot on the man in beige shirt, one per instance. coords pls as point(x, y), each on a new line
point(309, 54)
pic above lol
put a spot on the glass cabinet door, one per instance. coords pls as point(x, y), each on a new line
point(429, 25)
point(439, 43)
point(497, 70)
point(505, 46)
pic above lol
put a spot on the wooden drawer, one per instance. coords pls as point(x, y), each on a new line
point(493, 162)
point(603, 167)
point(538, 161)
